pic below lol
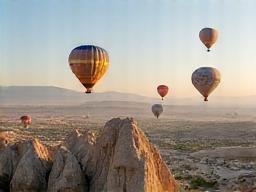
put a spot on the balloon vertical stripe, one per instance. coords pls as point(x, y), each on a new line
point(89, 63)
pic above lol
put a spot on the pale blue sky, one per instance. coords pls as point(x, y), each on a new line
point(149, 42)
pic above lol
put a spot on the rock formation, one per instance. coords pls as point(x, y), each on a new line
point(66, 174)
point(119, 158)
point(24, 166)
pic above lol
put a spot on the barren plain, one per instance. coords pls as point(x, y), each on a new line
point(207, 148)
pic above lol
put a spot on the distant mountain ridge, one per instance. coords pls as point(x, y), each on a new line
point(40, 95)
point(50, 95)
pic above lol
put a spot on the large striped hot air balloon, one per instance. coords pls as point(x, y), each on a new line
point(26, 120)
point(205, 80)
point(208, 36)
point(89, 63)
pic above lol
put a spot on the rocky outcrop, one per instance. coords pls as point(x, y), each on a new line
point(134, 163)
point(32, 171)
point(8, 163)
point(119, 158)
point(25, 166)
point(66, 174)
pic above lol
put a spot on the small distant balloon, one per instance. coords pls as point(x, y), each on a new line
point(26, 120)
point(157, 110)
point(208, 36)
point(162, 90)
point(205, 80)
point(89, 63)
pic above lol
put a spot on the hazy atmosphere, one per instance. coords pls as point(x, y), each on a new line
point(149, 43)
point(127, 96)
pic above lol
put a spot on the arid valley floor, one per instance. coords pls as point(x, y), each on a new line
point(206, 148)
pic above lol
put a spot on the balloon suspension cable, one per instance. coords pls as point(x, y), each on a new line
point(88, 91)
point(162, 98)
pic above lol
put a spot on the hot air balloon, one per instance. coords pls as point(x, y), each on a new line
point(157, 109)
point(89, 63)
point(205, 80)
point(162, 90)
point(26, 120)
point(208, 36)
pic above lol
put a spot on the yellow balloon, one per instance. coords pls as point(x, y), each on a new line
point(89, 63)
point(205, 80)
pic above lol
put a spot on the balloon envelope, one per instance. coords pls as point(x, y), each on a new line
point(162, 90)
point(205, 80)
point(89, 63)
point(208, 36)
point(26, 120)
point(157, 109)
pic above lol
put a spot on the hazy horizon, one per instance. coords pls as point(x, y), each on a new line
point(52, 95)
point(124, 92)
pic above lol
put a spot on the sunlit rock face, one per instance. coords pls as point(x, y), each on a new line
point(119, 158)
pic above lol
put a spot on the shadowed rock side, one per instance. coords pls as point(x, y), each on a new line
point(66, 174)
point(120, 158)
